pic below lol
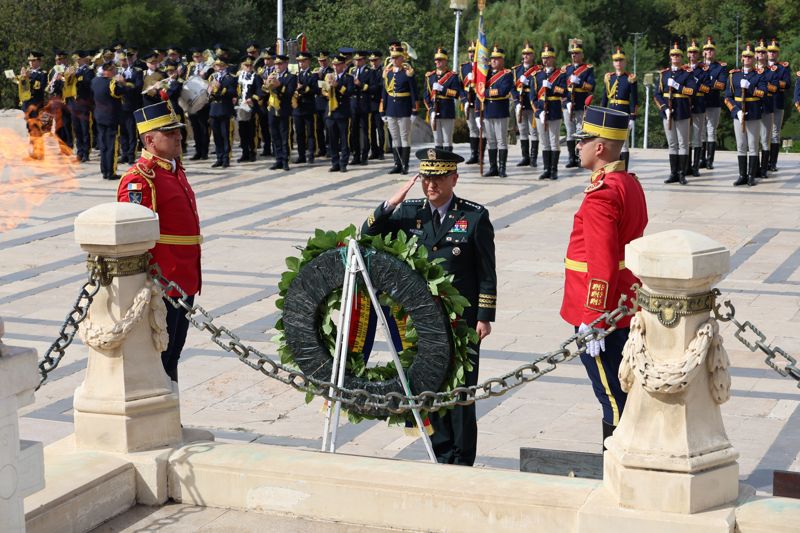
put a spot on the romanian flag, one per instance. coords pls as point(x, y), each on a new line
point(480, 65)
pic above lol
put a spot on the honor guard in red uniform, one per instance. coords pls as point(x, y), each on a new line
point(157, 180)
point(612, 214)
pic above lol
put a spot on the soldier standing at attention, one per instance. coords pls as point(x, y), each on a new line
point(499, 84)
point(321, 104)
point(620, 93)
point(359, 107)
point(442, 87)
point(153, 77)
point(472, 107)
point(523, 108)
point(782, 76)
point(770, 74)
point(580, 84)
point(377, 135)
point(131, 101)
point(746, 88)
point(304, 108)
point(672, 98)
point(107, 91)
point(280, 87)
point(32, 82)
point(199, 118)
point(222, 96)
point(612, 214)
point(460, 232)
point(340, 89)
point(699, 73)
point(82, 107)
point(158, 181)
point(247, 89)
point(399, 103)
point(717, 75)
point(549, 85)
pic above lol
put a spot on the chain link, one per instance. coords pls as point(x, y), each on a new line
point(393, 402)
point(774, 355)
point(69, 328)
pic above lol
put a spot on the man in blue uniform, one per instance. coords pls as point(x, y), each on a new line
point(769, 73)
point(550, 86)
point(304, 107)
point(523, 107)
point(672, 98)
point(360, 108)
point(620, 93)
point(698, 71)
point(222, 98)
point(399, 103)
point(461, 233)
point(82, 106)
point(377, 135)
point(472, 108)
point(59, 93)
point(782, 76)
point(442, 89)
point(131, 101)
point(338, 91)
point(745, 89)
point(717, 77)
point(32, 83)
point(281, 86)
point(248, 83)
point(107, 91)
point(321, 103)
point(580, 84)
point(499, 85)
point(199, 118)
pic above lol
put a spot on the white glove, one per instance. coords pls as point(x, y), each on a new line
point(740, 115)
point(667, 113)
point(674, 84)
point(469, 76)
point(569, 107)
point(546, 84)
point(631, 122)
point(413, 118)
point(478, 124)
point(385, 118)
point(542, 116)
point(438, 86)
point(517, 109)
point(744, 84)
point(575, 80)
point(593, 347)
point(524, 80)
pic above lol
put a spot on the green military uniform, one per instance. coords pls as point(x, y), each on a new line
point(465, 240)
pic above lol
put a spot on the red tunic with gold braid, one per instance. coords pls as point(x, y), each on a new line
point(152, 183)
point(612, 214)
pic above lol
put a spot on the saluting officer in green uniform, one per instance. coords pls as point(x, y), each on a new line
point(460, 232)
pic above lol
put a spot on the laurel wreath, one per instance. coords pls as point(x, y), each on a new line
point(440, 284)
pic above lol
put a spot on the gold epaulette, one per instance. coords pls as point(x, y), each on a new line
point(739, 70)
point(664, 70)
point(430, 73)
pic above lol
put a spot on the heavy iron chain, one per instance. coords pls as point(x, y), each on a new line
point(97, 278)
point(393, 402)
point(774, 354)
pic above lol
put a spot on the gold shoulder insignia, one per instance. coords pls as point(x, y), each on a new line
point(593, 186)
point(430, 73)
point(515, 67)
point(664, 69)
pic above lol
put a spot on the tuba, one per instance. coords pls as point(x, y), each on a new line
point(408, 50)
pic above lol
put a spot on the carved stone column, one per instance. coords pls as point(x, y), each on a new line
point(670, 452)
point(126, 403)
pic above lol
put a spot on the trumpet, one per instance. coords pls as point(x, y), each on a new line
point(158, 86)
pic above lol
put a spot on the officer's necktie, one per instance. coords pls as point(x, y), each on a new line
point(437, 220)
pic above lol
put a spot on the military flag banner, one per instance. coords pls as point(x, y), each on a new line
point(480, 65)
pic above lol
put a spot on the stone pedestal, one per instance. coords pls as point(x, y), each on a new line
point(126, 403)
point(21, 463)
point(670, 452)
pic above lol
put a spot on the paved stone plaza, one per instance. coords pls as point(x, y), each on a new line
point(253, 218)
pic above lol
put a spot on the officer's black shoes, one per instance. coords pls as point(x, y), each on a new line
point(343, 168)
point(195, 157)
point(695, 166)
point(112, 177)
point(276, 165)
point(363, 162)
point(572, 161)
point(765, 157)
point(546, 165)
point(492, 164)
point(526, 158)
point(774, 150)
point(216, 164)
point(299, 160)
point(286, 164)
point(334, 168)
point(742, 179)
point(226, 164)
point(683, 165)
point(534, 153)
point(752, 170)
point(311, 159)
point(710, 150)
point(673, 169)
point(474, 142)
point(501, 164)
point(243, 159)
point(405, 153)
point(703, 160)
point(398, 162)
point(321, 153)
point(554, 164)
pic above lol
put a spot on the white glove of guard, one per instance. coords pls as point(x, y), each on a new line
point(517, 109)
point(631, 122)
point(674, 84)
point(667, 113)
point(740, 115)
point(744, 84)
point(438, 86)
point(542, 116)
point(575, 80)
point(385, 118)
point(546, 84)
point(569, 107)
point(478, 124)
point(469, 76)
point(593, 347)
point(413, 118)
point(524, 80)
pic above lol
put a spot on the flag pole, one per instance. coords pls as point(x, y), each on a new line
point(481, 133)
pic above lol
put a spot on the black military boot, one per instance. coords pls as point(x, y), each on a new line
point(712, 148)
point(473, 150)
point(449, 148)
point(439, 147)
point(406, 155)
point(673, 169)
point(774, 150)
point(546, 154)
point(683, 165)
point(703, 160)
point(572, 161)
point(608, 430)
point(501, 164)
point(764, 167)
point(554, 164)
point(742, 180)
point(524, 146)
point(534, 152)
point(752, 170)
point(626, 157)
point(492, 164)
point(696, 162)
point(398, 163)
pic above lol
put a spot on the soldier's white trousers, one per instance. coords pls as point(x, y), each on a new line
point(472, 122)
point(527, 131)
point(548, 134)
point(677, 136)
point(765, 133)
point(572, 124)
point(747, 140)
point(400, 130)
point(712, 123)
point(777, 124)
point(698, 125)
point(443, 135)
point(496, 133)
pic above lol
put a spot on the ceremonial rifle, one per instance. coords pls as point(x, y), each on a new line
point(744, 104)
point(669, 103)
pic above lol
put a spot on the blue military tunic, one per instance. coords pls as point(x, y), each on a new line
point(498, 92)
point(399, 91)
point(360, 102)
point(107, 100)
point(445, 99)
point(468, 96)
point(522, 92)
point(221, 99)
point(620, 92)
point(578, 92)
point(784, 83)
point(304, 98)
point(549, 100)
point(717, 77)
point(770, 74)
point(749, 100)
point(702, 87)
point(681, 103)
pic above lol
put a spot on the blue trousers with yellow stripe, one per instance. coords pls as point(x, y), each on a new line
point(603, 372)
